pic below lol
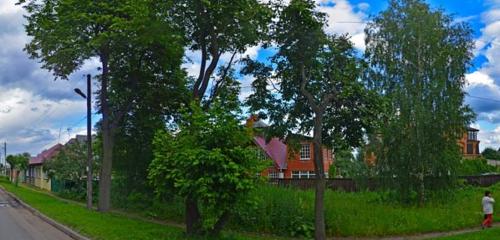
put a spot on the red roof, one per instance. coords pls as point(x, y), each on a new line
point(275, 149)
point(46, 154)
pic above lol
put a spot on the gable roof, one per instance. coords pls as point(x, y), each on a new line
point(46, 154)
point(275, 149)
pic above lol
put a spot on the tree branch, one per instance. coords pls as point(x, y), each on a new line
point(303, 90)
point(202, 67)
point(223, 77)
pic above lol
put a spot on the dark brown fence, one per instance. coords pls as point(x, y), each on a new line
point(483, 180)
point(350, 185)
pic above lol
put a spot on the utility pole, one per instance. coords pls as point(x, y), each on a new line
point(89, 139)
point(5, 158)
point(89, 144)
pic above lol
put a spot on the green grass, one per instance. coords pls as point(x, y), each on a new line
point(283, 212)
point(287, 211)
point(97, 225)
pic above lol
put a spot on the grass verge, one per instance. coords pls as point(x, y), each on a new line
point(109, 226)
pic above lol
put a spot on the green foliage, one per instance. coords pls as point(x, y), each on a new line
point(18, 162)
point(418, 58)
point(139, 47)
point(477, 166)
point(70, 163)
point(209, 158)
point(490, 153)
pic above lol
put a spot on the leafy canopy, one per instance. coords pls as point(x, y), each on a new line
point(325, 66)
point(418, 58)
point(210, 158)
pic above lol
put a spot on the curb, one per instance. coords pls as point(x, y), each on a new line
point(68, 231)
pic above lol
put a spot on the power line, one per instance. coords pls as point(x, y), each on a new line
point(484, 98)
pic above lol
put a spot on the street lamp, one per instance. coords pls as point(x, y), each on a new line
point(89, 141)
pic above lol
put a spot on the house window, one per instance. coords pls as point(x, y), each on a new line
point(273, 174)
point(305, 152)
point(470, 148)
point(472, 135)
point(303, 174)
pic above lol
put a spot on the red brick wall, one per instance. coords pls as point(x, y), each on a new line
point(295, 164)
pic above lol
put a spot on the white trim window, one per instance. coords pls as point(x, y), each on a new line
point(273, 174)
point(303, 174)
point(305, 152)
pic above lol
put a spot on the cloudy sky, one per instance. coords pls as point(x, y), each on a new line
point(37, 112)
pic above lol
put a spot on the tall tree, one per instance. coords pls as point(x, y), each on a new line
point(17, 162)
point(66, 33)
point(312, 85)
point(214, 28)
point(418, 58)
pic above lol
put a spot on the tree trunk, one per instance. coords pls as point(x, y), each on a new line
point(107, 141)
point(220, 224)
point(319, 213)
point(193, 218)
point(105, 174)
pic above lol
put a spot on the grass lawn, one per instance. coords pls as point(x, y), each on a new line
point(97, 225)
point(360, 214)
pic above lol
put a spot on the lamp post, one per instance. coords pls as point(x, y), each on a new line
point(89, 140)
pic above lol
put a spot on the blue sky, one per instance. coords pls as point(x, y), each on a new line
point(37, 112)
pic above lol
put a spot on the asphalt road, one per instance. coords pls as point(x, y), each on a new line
point(17, 223)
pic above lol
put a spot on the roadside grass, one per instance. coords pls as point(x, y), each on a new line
point(285, 211)
point(289, 212)
point(487, 234)
point(109, 226)
point(279, 211)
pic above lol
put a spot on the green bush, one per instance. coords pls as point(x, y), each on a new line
point(475, 166)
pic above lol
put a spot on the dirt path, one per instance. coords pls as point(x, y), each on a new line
point(422, 236)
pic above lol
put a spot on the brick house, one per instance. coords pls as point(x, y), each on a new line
point(469, 145)
point(286, 163)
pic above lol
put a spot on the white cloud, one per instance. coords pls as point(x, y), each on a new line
point(343, 18)
point(489, 138)
point(9, 7)
point(29, 122)
point(479, 78)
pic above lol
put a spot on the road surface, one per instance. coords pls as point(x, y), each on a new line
point(17, 223)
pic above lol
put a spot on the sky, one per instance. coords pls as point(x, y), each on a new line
point(36, 111)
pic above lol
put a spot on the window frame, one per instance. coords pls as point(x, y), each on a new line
point(303, 152)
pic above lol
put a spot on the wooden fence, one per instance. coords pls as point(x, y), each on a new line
point(350, 185)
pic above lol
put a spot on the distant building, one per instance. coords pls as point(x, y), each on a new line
point(469, 144)
point(469, 147)
point(285, 163)
point(35, 174)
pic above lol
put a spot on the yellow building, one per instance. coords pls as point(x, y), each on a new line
point(35, 174)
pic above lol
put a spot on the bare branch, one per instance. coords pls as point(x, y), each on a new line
point(224, 75)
